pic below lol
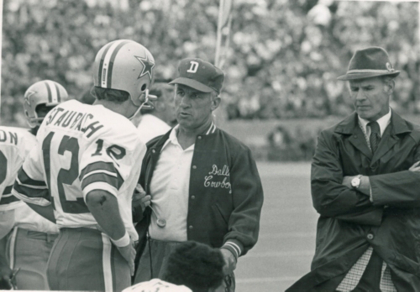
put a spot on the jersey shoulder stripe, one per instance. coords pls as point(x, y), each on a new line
point(101, 171)
point(26, 180)
point(29, 191)
point(97, 166)
point(115, 180)
point(25, 185)
point(8, 199)
point(40, 198)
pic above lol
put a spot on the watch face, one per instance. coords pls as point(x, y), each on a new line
point(355, 182)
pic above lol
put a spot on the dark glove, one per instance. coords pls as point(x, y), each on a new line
point(8, 278)
point(5, 283)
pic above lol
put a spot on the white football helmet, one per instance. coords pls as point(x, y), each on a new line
point(125, 65)
point(45, 92)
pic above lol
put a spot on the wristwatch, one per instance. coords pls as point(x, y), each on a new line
point(355, 182)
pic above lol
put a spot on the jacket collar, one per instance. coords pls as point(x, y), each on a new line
point(171, 134)
point(349, 124)
point(383, 122)
point(350, 127)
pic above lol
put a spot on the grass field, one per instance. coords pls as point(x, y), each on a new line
point(287, 236)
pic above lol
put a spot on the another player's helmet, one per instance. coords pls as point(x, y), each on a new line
point(125, 65)
point(45, 92)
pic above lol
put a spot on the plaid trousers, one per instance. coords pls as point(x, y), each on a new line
point(354, 275)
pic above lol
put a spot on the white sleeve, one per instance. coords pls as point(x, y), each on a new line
point(30, 185)
point(106, 165)
point(10, 162)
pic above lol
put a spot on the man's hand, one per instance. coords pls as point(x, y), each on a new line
point(230, 261)
point(415, 167)
point(140, 198)
point(129, 253)
point(5, 274)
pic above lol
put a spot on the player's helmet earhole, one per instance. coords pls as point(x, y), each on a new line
point(143, 87)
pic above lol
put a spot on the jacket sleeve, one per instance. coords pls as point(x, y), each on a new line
point(137, 210)
point(398, 189)
point(244, 221)
point(141, 219)
point(331, 198)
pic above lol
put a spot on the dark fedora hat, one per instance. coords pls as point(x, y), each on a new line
point(369, 62)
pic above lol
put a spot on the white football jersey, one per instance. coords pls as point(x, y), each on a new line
point(82, 148)
point(15, 144)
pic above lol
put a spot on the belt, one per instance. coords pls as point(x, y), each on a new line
point(80, 230)
point(168, 242)
point(48, 237)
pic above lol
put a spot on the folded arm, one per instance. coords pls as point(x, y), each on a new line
point(332, 194)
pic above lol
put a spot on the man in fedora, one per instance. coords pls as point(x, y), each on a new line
point(204, 183)
point(365, 186)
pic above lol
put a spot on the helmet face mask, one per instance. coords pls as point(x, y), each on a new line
point(125, 65)
point(146, 102)
point(48, 93)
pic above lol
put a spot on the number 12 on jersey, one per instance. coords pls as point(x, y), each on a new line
point(74, 203)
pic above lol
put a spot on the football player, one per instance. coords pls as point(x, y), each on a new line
point(88, 158)
point(32, 236)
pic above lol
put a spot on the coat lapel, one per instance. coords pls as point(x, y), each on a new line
point(388, 140)
point(154, 153)
point(390, 136)
point(350, 127)
point(359, 141)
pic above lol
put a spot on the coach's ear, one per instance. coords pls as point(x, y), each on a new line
point(215, 103)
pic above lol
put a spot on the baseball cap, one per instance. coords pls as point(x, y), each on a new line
point(368, 63)
point(200, 75)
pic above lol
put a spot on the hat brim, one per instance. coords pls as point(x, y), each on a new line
point(367, 74)
point(192, 83)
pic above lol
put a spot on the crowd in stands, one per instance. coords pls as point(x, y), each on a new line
point(282, 63)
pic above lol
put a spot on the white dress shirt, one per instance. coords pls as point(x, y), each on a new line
point(383, 123)
point(151, 127)
point(170, 189)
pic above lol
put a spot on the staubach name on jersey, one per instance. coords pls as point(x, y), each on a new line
point(84, 122)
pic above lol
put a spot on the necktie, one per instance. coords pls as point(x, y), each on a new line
point(374, 136)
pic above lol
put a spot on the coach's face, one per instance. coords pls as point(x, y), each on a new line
point(194, 108)
point(370, 97)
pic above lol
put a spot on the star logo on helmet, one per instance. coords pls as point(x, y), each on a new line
point(147, 66)
point(28, 95)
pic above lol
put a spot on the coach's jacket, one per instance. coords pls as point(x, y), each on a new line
point(349, 222)
point(225, 192)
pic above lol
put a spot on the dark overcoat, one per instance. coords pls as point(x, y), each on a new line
point(349, 222)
